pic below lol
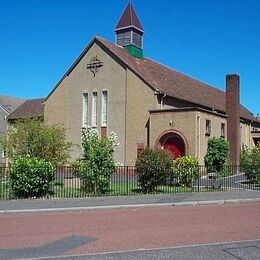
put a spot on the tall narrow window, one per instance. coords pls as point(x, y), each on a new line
point(85, 110)
point(222, 131)
point(104, 108)
point(208, 127)
point(94, 109)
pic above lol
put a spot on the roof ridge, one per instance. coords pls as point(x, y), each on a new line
point(131, 14)
point(30, 99)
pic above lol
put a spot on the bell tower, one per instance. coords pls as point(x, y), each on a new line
point(129, 32)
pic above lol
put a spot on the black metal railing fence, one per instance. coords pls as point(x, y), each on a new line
point(125, 181)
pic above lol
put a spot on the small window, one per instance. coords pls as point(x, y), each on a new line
point(222, 130)
point(208, 127)
point(104, 108)
point(94, 109)
point(85, 110)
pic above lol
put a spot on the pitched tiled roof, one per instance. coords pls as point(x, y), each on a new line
point(129, 19)
point(163, 79)
point(173, 83)
point(9, 104)
point(29, 109)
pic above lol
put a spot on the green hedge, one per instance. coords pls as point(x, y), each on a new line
point(31, 177)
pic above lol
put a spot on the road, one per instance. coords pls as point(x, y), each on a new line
point(170, 230)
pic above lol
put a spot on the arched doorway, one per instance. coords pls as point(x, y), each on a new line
point(174, 143)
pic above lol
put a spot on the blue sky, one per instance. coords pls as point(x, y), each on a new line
point(39, 40)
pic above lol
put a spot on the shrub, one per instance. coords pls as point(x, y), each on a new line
point(217, 154)
point(97, 164)
point(31, 177)
point(186, 170)
point(250, 163)
point(33, 138)
point(153, 167)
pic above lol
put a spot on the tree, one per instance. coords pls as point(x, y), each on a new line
point(153, 167)
point(217, 153)
point(250, 163)
point(97, 163)
point(32, 138)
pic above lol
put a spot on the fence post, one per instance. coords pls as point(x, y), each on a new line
point(127, 176)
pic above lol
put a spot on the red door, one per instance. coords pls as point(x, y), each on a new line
point(175, 145)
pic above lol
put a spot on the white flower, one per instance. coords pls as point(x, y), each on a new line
point(118, 164)
point(113, 139)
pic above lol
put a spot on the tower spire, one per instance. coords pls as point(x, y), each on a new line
point(129, 32)
point(129, 19)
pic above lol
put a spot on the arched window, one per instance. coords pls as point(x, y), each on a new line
point(104, 110)
point(94, 108)
point(85, 110)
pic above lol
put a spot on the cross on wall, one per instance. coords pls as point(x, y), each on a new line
point(94, 65)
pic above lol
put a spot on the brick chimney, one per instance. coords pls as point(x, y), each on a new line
point(233, 116)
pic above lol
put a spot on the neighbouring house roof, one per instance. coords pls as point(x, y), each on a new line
point(129, 19)
point(8, 104)
point(29, 109)
point(164, 80)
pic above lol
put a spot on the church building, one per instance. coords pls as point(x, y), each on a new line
point(114, 87)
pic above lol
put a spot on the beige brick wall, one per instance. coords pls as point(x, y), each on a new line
point(65, 105)
point(169, 102)
point(140, 99)
point(191, 125)
point(182, 123)
point(56, 106)
point(129, 102)
point(246, 136)
point(216, 121)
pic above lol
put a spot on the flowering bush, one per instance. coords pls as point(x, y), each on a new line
point(186, 170)
point(97, 164)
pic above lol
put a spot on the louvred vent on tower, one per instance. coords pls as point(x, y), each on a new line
point(129, 32)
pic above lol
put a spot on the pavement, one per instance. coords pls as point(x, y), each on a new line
point(246, 250)
point(90, 203)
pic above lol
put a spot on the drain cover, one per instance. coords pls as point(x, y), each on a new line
point(244, 252)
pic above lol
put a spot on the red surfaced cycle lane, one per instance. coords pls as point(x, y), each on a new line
point(131, 229)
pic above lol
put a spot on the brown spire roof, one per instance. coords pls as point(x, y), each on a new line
point(29, 109)
point(129, 19)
